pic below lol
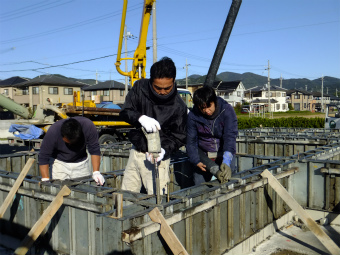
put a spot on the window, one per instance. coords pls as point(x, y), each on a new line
point(106, 92)
point(238, 93)
point(122, 93)
point(283, 106)
point(53, 90)
point(305, 105)
point(68, 91)
point(277, 106)
point(297, 96)
point(283, 94)
point(94, 93)
point(25, 91)
point(35, 90)
point(6, 92)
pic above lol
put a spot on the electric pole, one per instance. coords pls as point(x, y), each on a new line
point(281, 81)
point(126, 64)
point(269, 110)
point(322, 94)
point(154, 32)
point(186, 80)
point(186, 73)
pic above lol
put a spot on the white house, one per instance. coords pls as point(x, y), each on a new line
point(258, 99)
point(231, 91)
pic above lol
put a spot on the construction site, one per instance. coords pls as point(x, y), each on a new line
point(212, 218)
point(287, 182)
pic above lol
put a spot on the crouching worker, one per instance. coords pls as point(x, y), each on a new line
point(153, 104)
point(211, 136)
point(66, 142)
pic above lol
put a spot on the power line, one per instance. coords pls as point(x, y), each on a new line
point(72, 26)
point(19, 15)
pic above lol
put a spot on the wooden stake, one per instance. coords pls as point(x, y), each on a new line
point(118, 202)
point(15, 187)
point(304, 216)
point(169, 236)
point(42, 222)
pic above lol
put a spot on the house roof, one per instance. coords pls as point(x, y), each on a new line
point(50, 80)
point(304, 92)
point(12, 81)
point(226, 85)
point(105, 86)
point(318, 94)
point(264, 88)
point(264, 101)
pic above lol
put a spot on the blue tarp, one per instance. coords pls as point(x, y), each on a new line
point(26, 132)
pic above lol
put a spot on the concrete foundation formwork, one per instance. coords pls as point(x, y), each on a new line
point(210, 218)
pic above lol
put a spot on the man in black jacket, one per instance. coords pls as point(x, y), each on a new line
point(153, 104)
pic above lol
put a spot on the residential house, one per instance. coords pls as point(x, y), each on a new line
point(231, 91)
point(50, 89)
point(6, 86)
point(258, 99)
point(108, 91)
point(321, 100)
point(301, 100)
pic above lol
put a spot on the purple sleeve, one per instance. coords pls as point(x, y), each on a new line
point(47, 146)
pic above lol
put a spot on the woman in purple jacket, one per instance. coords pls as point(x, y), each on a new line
point(211, 136)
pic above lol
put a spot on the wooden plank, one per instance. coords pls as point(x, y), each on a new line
point(169, 236)
point(15, 187)
point(42, 222)
point(118, 202)
point(304, 216)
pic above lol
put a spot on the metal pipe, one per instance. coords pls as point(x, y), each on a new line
point(222, 43)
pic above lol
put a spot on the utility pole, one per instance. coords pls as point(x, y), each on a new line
point(306, 87)
point(322, 94)
point(281, 81)
point(96, 77)
point(269, 110)
point(327, 90)
point(186, 80)
point(126, 64)
point(186, 73)
point(154, 32)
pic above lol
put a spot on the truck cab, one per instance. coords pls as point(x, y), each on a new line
point(332, 119)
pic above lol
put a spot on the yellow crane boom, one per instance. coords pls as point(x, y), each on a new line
point(139, 57)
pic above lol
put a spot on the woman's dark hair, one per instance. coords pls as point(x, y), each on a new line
point(164, 68)
point(71, 129)
point(204, 96)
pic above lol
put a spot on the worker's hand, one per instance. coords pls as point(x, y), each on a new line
point(226, 170)
point(227, 158)
point(149, 156)
point(161, 155)
point(201, 166)
point(150, 124)
point(220, 175)
point(98, 178)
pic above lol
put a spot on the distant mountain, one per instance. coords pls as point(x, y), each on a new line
point(250, 80)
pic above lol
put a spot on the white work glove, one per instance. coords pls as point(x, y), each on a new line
point(150, 124)
point(149, 156)
point(45, 179)
point(98, 178)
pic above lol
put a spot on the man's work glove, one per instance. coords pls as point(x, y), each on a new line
point(227, 171)
point(45, 179)
point(150, 124)
point(149, 156)
point(98, 178)
point(220, 175)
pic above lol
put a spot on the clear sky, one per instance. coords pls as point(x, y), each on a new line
point(300, 38)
